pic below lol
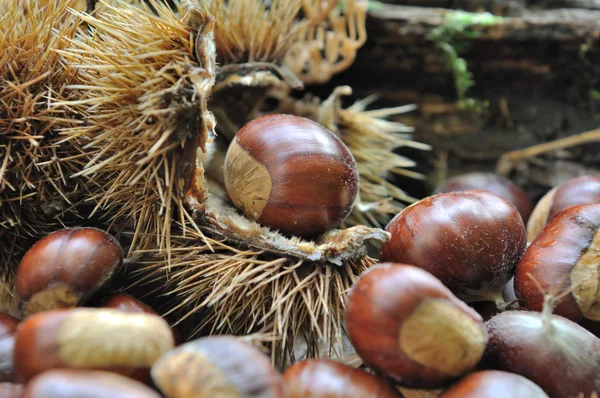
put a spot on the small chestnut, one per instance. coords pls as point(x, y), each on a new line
point(573, 192)
point(89, 338)
point(558, 355)
point(66, 268)
point(85, 384)
point(470, 240)
point(564, 256)
point(320, 378)
point(494, 384)
point(405, 323)
point(8, 326)
point(217, 366)
point(291, 174)
point(127, 303)
point(493, 183)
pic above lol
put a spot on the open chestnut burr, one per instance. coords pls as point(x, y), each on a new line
point(470, 240)
point(405, 323)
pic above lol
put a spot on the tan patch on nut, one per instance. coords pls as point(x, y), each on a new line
point(187, 374)
point(539, 216)
point(248, 182)
point(101, 338)
point(56, 297)
point(440, 336)
point(585, 275)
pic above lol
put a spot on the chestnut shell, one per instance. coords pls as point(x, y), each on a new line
point(494, 384)
point(470, 240)
point(313, 175)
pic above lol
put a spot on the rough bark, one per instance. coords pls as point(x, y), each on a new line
point(536, 70)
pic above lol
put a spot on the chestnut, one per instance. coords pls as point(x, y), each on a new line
point(127, 303)
point(8, 326)
point(321, 378)
point(563, 257)
point(291, 174)
point(89, 338)
point(217, 366)
point(405, 323)
point(470, 240)
point(493, 183)
point(11, 390)
point(66, 268)
point(494, 384)
point(576, 191)
point(85, 383)
point(558, 355)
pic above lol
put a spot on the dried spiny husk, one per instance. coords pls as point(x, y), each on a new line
point(143, 77)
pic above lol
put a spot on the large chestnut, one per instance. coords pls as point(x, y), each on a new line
point(66, 268)
point(89, 338)
point(555, 353)
point(218, 366)
point(291, 174)
point(493, 183)
point(564, 256)
point(85, 384)
point(320, 378)
point(494, 384)
point(470, 240)
point(8, 326)
point(576, 191)
point(405, 323)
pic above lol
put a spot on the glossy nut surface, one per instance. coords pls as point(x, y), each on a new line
point(85, 384)
point(470, 240)
point(320, 378)
point(218, 366)
point(65, 268)
point(574, 192)
point(494, 384)
point(127, 303)
point(291, 174)
point(87, 338)
point(493, 183)
point(404, 322)
point(565, 255)
point(558, 355)
point(8, 326)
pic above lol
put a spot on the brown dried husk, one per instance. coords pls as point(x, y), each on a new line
point(122, 121)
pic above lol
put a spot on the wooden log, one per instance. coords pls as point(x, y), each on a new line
point(537, 70)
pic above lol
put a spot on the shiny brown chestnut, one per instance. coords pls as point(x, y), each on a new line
point(291, 174)
point(66, 268)
point(405, 323)
point(217, 366)
point(320, 378)
point(8, 326)
point(493, 183)
point(85, 384)
point(89, 338)
point(494, 384)
point(563, 257)
point(11, 390)
point(576, 191)
point(555, 353)
point(470, 240)
point(127, 303)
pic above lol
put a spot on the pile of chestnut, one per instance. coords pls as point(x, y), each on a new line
point(412, 318)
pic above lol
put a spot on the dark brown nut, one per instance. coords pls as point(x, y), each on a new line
point(494, 384)
point(219, 366)
point(66, 268)
point(8, 326)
